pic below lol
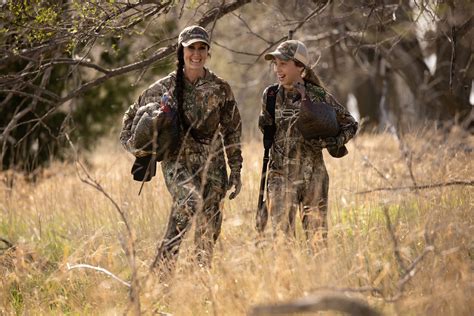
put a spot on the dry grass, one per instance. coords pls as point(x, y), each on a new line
point(60, 220)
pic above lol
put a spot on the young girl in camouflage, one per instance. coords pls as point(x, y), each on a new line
point(195, 174)
point(297, 174)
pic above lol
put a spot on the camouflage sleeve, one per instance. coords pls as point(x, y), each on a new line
point(346, 122)
point(231, 127)
point(265, 119)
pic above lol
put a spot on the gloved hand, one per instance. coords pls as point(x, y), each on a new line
point(234, 180)
point(319, 142)
point(337, 141)
point(335, 146)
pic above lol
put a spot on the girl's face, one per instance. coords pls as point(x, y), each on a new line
point(195, 55)
point(287, 72)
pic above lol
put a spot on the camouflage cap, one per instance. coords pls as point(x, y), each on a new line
point(193, 34)
point(291, 49)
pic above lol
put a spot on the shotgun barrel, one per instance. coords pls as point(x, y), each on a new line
point(262, 211)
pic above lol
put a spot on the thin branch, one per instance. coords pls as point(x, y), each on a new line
point(235, 51)
point(396, 248)
point(26, 94)
point(420, 187)
point(380, 173)
point(297, 27)
point(250, 30)
point(411, 271)
point(87, 266)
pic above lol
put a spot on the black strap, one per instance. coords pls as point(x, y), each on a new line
point(269, 130)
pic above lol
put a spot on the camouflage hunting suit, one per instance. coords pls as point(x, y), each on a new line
point(195, 175)
point(297, 174)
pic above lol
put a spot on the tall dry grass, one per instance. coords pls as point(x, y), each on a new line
point(60, 220)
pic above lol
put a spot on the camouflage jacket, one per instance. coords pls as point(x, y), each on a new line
point(289, 142)
point(209, 107)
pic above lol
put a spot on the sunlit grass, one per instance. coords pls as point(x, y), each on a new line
point(60, 220)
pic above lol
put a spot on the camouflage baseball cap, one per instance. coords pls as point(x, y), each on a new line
point(193, 34)
point(291, 49)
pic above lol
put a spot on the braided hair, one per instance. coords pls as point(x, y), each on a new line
point(180, 76)
point(179, 95)
point(179, 90)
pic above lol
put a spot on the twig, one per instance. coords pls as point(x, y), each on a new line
point(407, 154)
point(407, 276)
point(419, 187)
point(380, 173)
point(396, 248)
point(297, 27)
point(235, 51)
point(410, 273)
point(87, 266)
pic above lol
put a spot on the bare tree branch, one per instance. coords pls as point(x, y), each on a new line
point(396, 248)
point(420, 187)
point(130, 248)
point(335, 301)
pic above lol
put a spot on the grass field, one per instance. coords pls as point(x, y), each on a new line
point(59, 220)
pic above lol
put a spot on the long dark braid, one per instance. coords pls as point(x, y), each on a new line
point(179, 90)
point(180, 77)
point(179, 95)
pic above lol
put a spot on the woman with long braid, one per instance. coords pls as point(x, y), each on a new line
point(195, 174)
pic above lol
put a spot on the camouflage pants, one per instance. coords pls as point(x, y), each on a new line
point(299, 183)
point(197, 187)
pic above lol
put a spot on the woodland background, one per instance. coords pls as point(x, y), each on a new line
point(400, 204)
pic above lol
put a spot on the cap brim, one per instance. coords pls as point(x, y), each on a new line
point(195, 40)
point(272, 55)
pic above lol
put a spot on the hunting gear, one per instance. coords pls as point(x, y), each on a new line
point(203, 109)
point(304, 119)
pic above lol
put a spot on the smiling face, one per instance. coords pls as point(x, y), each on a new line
point(195, 56)
point(288, 73)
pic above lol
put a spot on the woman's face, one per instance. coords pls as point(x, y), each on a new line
point(287, 72)
point(195, 55)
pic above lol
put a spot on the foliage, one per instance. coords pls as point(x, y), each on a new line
point(46, 42)
point(73, 66)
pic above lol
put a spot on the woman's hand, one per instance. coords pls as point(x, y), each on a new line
point(234, 181)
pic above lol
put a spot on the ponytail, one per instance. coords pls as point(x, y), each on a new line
point(309, 76)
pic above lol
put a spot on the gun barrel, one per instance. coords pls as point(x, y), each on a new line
point(262, 212)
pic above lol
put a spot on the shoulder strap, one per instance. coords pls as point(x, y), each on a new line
point(269, 131)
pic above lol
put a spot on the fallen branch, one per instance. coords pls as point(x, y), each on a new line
point(318, 302)
point(87, 266)
point(419, 187)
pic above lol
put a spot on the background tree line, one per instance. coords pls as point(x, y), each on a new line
point(74, 66)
